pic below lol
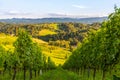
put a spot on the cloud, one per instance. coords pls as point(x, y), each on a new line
point(57, 15)
point(15, 13)
point(12, 13)
point(79, 6)
point(63, 15)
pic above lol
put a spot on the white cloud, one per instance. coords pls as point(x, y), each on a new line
point(15, 13)
point(79, 6)
point(57, 15)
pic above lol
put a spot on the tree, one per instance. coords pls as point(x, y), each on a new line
point(44, 63)
point(13, 63)
point(51, 64)
point(23, 47)
point(101, 49)
point(111, 44)
point(37, 58)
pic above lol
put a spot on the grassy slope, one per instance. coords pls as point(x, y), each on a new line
point(57, 54)
point(7, 41)
point(50, 31)
point(45, 32)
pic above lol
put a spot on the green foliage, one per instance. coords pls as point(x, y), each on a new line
point(55, 52)
point(51, 64)
point(100, 50)
point(12, 60)
point(36, 57)
point(2, 52)
point(23, 47)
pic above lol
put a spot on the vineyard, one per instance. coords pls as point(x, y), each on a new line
point(78, 51)
point(99, 52)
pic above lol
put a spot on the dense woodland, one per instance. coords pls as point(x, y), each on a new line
point(95, 48)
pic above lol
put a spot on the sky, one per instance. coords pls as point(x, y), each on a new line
point(56, 8)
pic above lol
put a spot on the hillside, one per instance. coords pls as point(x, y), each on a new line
point(56, 40)
point(57, 54)
point(59, 34)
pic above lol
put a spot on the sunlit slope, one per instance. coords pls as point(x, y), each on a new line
point(7, 41)
point(57, 54)
point(49, 29)
point(45, 32)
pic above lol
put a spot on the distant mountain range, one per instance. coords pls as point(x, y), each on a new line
point(49, 20)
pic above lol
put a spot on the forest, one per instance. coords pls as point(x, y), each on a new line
point(61, 51)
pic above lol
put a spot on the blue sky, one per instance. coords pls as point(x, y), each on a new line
point(56, 8)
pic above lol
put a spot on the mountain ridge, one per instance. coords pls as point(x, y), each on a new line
point(50, 20)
